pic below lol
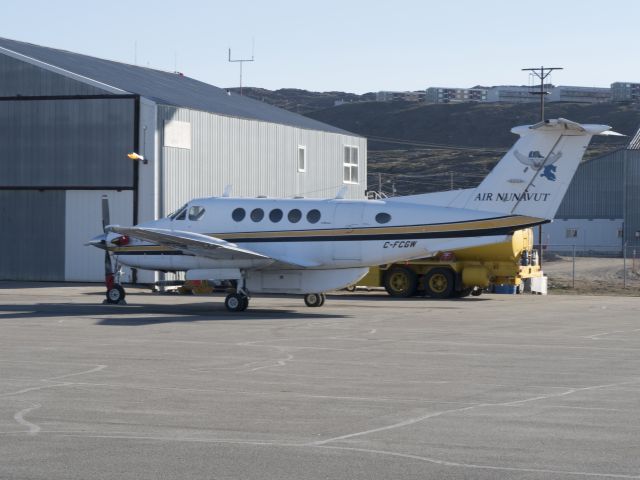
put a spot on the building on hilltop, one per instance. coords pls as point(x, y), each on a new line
point(625, 92)
point(67, 122)
point(389, 96)
point(455, 95)
point(565, 93)
point(513, 94)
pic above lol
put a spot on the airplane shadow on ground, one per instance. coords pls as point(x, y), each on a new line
point(130, 314)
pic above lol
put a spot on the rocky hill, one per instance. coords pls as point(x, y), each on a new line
point(415, 148)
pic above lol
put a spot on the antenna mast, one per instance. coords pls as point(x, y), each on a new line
point(241, 61)
point(541, 73)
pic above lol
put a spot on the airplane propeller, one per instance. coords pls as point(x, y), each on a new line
point(108, 266)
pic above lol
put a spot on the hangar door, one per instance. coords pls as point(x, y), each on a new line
point(83, 221)
point(32, 234)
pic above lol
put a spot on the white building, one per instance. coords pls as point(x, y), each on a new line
point(67, 122)
point(455, 95)
point(566, 93)
point(512, 94)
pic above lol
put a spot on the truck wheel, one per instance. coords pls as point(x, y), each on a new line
point(400, 282)
point(439, 283)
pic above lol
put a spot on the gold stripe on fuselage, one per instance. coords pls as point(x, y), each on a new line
point(485, 224)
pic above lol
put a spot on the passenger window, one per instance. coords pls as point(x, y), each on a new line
point(313, 216)
point(257, 214)
point(238, 214)
point(383, 218)
point(196, 213)
point(275, 215)
point(294, 215)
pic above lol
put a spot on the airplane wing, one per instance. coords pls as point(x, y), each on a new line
point(198, 244)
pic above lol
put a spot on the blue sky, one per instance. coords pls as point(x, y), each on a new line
point(354, 46)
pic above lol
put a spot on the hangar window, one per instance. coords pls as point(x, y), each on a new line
point(302, 158)
point(257, 214)
point(572, 232)
point(196, 213)
point(350, 164)
point(313, 216)
point(383, 217)
point(275, 215)
point(238, 214)
point(294, 215)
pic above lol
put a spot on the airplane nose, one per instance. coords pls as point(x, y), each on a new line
point(99, 241)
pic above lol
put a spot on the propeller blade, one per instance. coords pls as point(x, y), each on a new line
point(105, 213)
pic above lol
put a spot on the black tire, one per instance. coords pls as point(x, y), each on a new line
point(465, 292)
point(401, 282)
point(438, 283)
point(116, 294)
point(323, 298)
point(313, 299)
point(236, 302)
point(477, 292)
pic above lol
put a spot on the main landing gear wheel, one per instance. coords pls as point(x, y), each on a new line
point(115, 294)
point(438, 283)
point(236, 302)
point(314, 299)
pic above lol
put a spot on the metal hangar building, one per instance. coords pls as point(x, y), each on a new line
point(600, 213)
point(68, 121)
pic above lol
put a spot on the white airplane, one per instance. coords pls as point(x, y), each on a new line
point(310, 246)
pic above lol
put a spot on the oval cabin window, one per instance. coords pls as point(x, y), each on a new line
point(238, 214)
point(294, 215)
point(257, 214)
point(313, 216)
point(383, 218)
point(275, 215)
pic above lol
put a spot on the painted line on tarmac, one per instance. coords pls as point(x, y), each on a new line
point(19, 417)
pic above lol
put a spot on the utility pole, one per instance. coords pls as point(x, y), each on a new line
point(241, 61)
point(451, 178)
point(542, 73)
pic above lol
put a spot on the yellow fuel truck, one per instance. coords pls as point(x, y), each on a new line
point(458, 273)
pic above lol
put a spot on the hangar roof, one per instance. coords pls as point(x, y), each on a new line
point(163, 87)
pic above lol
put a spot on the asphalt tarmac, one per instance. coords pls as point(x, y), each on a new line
point(366, 387)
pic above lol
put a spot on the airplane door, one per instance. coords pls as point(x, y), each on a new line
point(349, 216)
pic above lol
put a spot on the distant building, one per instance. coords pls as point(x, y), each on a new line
point(386, 96)
point(625, 92)
point(455, 95)
point(564, 93)
point(514, 93)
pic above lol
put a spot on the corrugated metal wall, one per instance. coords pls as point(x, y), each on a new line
point(83, 221)
point(66, 142)
point(22, 78)
point(257, 158)
point(596, 190)
point(632, 200)
point(32, 235)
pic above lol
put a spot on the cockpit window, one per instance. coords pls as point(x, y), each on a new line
point(178, 212)
point(196, 212)
point(182, 214)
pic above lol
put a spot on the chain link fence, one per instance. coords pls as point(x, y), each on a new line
point(593, 269)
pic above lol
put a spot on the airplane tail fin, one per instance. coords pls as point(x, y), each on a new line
point(533, 176)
